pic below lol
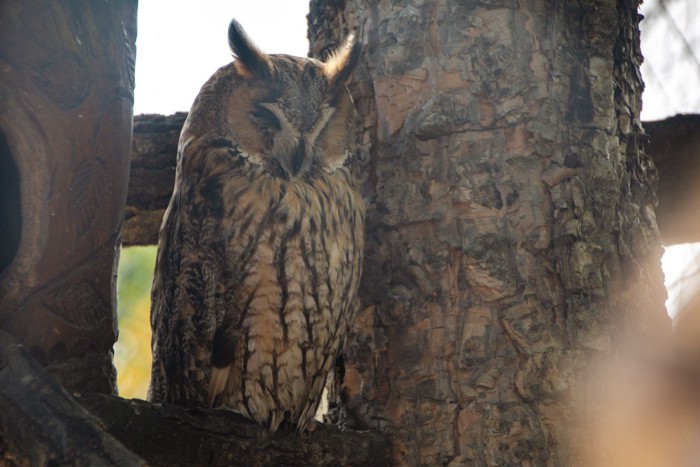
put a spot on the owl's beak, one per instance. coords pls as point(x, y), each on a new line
point(291, 152)
point(297, 158)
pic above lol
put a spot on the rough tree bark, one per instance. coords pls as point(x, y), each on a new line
point(66, 97)
point(511, 229)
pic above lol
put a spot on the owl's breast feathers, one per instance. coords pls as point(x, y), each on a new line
point(260, 251)
point(265, 273)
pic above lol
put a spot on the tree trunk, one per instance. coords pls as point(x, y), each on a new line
point(511, 230)
point(66, 97)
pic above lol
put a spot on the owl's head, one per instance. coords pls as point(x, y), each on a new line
point(290, 112)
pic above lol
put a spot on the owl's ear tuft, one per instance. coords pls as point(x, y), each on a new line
point(252, 62)
point(339, 65)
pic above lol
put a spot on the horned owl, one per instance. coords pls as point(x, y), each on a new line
point(260, 250)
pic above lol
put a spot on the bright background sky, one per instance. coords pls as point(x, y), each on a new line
point(181, 43)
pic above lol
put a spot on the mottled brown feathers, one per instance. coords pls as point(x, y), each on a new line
point(260, 251)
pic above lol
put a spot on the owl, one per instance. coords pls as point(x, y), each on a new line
point(260, 250)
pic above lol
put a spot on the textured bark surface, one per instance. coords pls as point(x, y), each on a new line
point(65, 118)
point(511, 228)
point(40, 424)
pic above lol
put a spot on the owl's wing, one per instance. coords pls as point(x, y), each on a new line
point(187, 294)
point(222, 355)
point(166, 302)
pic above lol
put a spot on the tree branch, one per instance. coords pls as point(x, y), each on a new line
point(41, 424)
point(220, 437)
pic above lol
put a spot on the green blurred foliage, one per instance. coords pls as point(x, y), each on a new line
point(132, 352)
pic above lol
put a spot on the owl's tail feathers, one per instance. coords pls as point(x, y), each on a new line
point(217, 382)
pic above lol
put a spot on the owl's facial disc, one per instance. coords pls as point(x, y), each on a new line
point(293, 148)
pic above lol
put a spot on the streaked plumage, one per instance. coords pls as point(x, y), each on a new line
point(260, 251)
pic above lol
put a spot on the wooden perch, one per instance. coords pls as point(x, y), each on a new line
point(220, 437)
point(675, 147)
point(41, 424)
